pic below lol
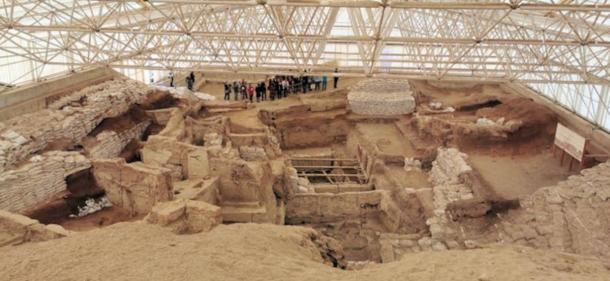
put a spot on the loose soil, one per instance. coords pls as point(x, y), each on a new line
point(138, 251)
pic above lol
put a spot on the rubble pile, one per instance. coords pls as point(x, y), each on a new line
point(572, 216)
point(252, 153)
point(69, 119)
point(40, 178)
point(449, 187)
point(182, 159)
point(91, 206)
point(381, 97)
point(446, 175)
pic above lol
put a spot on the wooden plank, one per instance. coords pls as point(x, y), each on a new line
point(322, 159)
point(326, 167)
point(330, 175)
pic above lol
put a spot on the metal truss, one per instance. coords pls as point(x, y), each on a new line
point(533, 41)
point(558, 42)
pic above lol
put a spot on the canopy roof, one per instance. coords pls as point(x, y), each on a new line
point(542, 43)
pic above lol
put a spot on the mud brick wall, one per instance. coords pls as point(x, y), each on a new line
point(111, 143)
point(68, 120)
point(381, 97)
point(572, 216)
point(330, 207)
point(42, 177)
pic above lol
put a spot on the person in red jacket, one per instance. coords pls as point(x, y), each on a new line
point(250, 92)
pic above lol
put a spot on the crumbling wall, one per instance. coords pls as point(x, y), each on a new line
point(176, 126)
point(136, 187)
point(69, 119)
point(185, 216)
point(183, 159)
point(519, 121)
point(161, 116)
point(205, 190)
point(572, 216)
point(298, 126)
point(109, 144)
point(311, 131)
point(447, 175)
point(247, 183)
point(256, 146)
point(40, 178)
point(449, 165)
point(330, 207)
point(17, 229)
point(196, 129)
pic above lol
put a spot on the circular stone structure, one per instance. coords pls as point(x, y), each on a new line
point(381, 97)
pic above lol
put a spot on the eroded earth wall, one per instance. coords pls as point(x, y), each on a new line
point(42, 177)
point(67, 120)
point(572, 216)
point(136, 187)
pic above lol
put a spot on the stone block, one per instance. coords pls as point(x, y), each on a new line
point(166, 213)
point(136, 186)
point(198, 189)
point(202, 216)
point(185, 216)
point(197, 165)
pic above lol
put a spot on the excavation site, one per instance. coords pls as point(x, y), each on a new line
point(305, 140)
point(379, 178)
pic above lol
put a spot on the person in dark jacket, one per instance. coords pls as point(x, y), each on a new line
point(227, 91)
point(235, 90)
point(189, 83)
point(336, 78)
point(271, 90)
point(258, 92)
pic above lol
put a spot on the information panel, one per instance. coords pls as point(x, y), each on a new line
point(570, 142)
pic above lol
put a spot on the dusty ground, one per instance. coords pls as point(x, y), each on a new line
point(518, 176)
point(387, 138)
point(138, 251)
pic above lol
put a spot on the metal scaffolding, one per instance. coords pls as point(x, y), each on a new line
point(556, 46)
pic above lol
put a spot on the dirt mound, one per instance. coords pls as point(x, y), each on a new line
point(535, 118)
point(138, 251)
point(512, 126)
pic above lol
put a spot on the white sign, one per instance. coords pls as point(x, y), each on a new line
point(570, 142)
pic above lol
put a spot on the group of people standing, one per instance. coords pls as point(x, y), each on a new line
point(245, 91)
point(277, 87)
